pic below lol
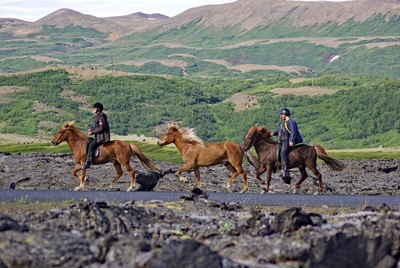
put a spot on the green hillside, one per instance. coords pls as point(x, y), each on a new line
point(362, 113)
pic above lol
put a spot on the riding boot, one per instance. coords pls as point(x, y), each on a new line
point(285, 175)
point(87, 163)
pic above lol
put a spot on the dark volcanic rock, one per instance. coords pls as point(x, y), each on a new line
point(291, 220)
point(147, 181)
point(53, 171)
point(198, 234)
point(195, 231)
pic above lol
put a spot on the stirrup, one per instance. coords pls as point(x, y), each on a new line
point(286, 177)
point(86, 165)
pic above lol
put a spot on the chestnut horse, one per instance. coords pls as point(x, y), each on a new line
point(117, 152)
point(196, 153)
point(302, 156)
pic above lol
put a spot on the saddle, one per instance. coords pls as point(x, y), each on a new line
point(95, 151)
point(278, 155)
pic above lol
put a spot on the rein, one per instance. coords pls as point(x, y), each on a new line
point(72, 139)
point(262, 140)
point(258, 142)
point(75, 139)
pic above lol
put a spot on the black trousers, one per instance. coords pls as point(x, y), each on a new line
point(285, 150)
point(91, 147)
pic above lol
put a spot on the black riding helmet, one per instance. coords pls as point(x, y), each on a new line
point(98, 105)
point(285, 112)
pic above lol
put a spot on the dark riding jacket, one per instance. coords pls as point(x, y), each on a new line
point(101, 128)
point(287, 129)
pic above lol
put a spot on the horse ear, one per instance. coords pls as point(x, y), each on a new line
point(172, 126)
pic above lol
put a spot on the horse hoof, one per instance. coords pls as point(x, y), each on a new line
point(263, 192)
point(242, 191)
point(228, 186)
point(129, 189)
point(77, 188)
point(295, 191)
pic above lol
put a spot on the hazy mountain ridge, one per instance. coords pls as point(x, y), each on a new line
point(65, 17)
point(217, 30)
point(248, 14)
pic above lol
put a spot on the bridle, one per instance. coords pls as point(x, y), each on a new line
point(62, 135)
point(256, 143)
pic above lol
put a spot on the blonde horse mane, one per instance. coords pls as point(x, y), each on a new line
point(189, 135)
point(71, 126)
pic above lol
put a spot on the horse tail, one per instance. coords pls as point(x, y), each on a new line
point(332, 163)
point(142, 158)
point(253, 160)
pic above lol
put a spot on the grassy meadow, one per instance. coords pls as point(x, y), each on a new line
point(171, 153)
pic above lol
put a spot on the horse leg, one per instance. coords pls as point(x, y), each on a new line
point(81, 178)
point(183, 169)
point(119, 171)
point(259, 173)
point(243, 174)
point(268, 181)
point(315, 171)
point(197, 173)
point(304, 175)
point(269, 177)
point(131, 172)
point(234, 174)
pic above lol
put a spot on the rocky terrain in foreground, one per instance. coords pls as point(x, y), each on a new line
point(195, 231)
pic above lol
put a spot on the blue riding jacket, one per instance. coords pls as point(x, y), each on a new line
point(287, 129)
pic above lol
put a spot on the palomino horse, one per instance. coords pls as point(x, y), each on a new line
point(302, 156)
point(196, 153)
point(117, 152)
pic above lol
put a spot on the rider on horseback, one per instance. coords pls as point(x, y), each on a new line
point(101, 130)
point(289, 135)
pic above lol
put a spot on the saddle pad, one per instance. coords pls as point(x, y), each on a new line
point(96, 152)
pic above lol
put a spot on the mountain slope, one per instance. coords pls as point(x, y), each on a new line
point(356, 36)
point(137, 20)
point(65, 17)
point(249, 14)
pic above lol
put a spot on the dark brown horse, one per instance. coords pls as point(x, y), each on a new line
point(196, 153)
point(117, 152)
point(302, 156)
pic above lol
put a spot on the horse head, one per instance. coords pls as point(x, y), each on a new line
point(168, 136)
point(249, 140)
point(63, 133)
point(256, 135)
